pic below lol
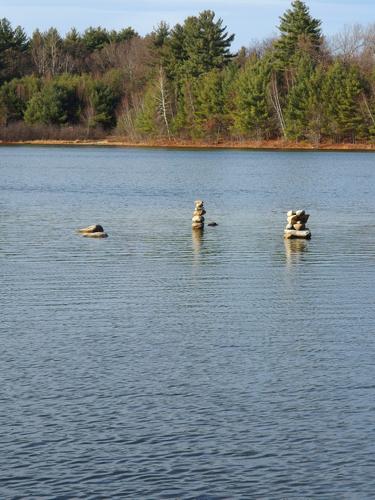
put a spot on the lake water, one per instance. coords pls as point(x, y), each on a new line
point(165, 363)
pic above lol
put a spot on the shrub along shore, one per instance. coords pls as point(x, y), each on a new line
point(184, 86)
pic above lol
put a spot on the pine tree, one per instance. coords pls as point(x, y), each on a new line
point(252, 113)
point(299, 32)
point(304, 109)
point(341, 93)
point(210, 116)
point(200, 45)
point(14, 45)
point(56, 104)
point(15, 95)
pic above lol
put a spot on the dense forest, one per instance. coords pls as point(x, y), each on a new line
point(185, 83)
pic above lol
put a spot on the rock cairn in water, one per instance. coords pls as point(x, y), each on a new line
point(296, 226)
point(198, 215)
point(94, 231)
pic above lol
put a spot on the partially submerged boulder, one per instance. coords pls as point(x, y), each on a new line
point(95, 228)
point(94, 231)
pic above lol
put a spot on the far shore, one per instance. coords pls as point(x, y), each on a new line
point(186, 144)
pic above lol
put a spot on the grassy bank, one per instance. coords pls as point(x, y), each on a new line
point(267, 145)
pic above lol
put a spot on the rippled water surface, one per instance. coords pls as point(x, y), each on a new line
point(161, 363)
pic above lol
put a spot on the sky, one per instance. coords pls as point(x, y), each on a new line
point(250, 20)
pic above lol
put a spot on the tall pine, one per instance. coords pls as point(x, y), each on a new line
point(299, 32)
point(253, 116)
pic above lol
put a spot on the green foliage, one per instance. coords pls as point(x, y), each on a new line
point(13, 46)
point(146, 122)
point(200, 45)
point(12, 38)
point(299, 32)
point(95, 38)
point(123, 35)
point(160, 34)
point(74, 46)
point(211, 118)
point(56, 104)
point(304, 114)
point(341, 92)
point(15, 95)
point(185, 82)
point(103, 100)
point(252, 112)
point(154, 116)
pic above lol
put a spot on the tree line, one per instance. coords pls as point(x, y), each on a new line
point(184, 82)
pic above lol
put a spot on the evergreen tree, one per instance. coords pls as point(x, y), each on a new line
point(304, 109)
point(103, 100)
point(56, 104)
point(124, 35)
point(299, 32)
point(95, 38)
point(341, 92)
point(75, 49)
point(211, 119)
point(252, 113)
point(200, 45)
point(15, 95)
point(14, 45)
point(160, 34)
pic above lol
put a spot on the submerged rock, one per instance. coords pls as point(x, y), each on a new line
point(212, 224)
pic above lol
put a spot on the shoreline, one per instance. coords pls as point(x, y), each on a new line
point(181, 144)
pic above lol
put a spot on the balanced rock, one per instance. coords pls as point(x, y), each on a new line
point(197, 218)
point(296, 226)
point(292, 233)
point(200, 211)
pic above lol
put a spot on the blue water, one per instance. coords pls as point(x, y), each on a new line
point(164, 363)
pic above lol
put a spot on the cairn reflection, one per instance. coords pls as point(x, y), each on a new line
point(197, 239)
point(294, 250)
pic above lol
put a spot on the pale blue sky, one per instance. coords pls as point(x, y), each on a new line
point(248, 19)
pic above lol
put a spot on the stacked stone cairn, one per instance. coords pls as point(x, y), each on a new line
point(198, 215)
point(296, 226)
point(94, 231)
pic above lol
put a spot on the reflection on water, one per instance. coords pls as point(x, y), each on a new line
point(197, 239)
point(294, 250)
point(169, 363)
